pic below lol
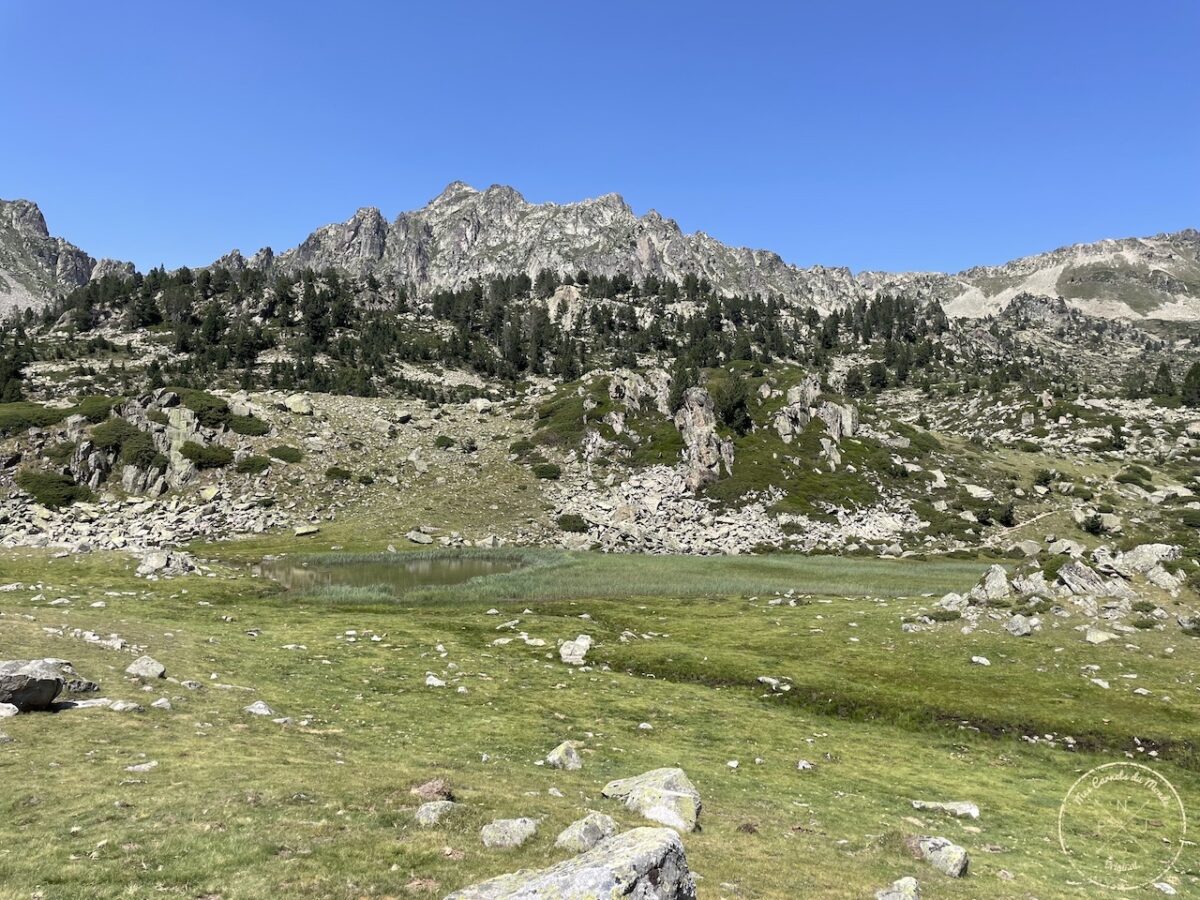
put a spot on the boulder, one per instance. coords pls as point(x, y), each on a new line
point(958, 808)
point(258, 708)
point(298, 404)
point(146, 667)
point(584, 834)
point(507, 833)
point(573, 652)
point(30, 684)
point(1020, 626)
point(642, 864)
point(905, 888)
point(419, 537)
point(666, 796)
point(945, 856)
point(703, 449)
point(565, 756)
point(429, 814)
point(993, 586)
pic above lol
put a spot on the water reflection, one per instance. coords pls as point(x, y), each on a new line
point(399, 576)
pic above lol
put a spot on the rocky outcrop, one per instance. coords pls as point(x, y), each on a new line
point(666, 796)
point(704, 451)
point(35, 267)
point(33, 684)
point(641, 864)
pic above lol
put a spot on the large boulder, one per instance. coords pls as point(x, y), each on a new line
point(666, 796)
point(298, 404)
point(584, 834)
point(702, 446)
point(993, 586)
point(565, 756)
point(146, 667)
point(1082, 580)
point(33, 684)
point(573, 653)
point(945, 856)
point(641, 864)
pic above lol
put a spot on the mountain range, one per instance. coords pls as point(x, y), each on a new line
point(465, 233)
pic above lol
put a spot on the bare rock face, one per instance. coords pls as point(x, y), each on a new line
point(641, 864)
point(704, 450)
point(36, 267)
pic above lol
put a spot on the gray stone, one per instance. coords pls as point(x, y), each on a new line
point(505, 833)
point(565, 756)
point(641, 864)
point(665, 796)
point(960, 809)
point(298, 404)
point(29, 684)
point(1020, 626)
point(146, 667)
point(905, 888)
point(8, 710)
point(584, 834)
point(430, 814)
point(573, 652)
point(258, 708)
point(945, 856)
point(118, 706)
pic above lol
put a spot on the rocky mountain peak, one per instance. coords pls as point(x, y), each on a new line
point(23, 216)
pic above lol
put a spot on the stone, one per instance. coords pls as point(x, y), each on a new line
point(298, 404)
point(666, 796)
point(1098, 636)
point(419, 537)
point(584, 834)
point(640, 864)
point(29, 684)
point(905, 888)
point(161, 703)
point(120, 706)
point(573, 652)
point(945, 856)
point(8, 710)
point(980, 661)
point(993, 586)
point(960, 809)
point(979, 493)
point(565, 756)
point(431, 813)
point(704, 450)
point(436, 789)
point(506, 833)
point(1020, 626)
point(305, 530)
point(258, 708)
point(146, 667)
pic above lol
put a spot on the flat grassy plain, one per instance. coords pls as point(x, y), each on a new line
point(241, 807)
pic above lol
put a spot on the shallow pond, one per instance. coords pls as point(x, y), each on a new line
point(398, 575)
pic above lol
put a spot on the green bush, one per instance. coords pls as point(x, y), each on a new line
point(211, 411)
point(337, 473)
point(366, 479)
point(573, 522)
point(22, 415)
point(443, 442)
point(286, 454)
point(248, 425)
point(547, 471)
point(133, 446)
point(1145, 623)
point(95, 408)
point(210, 457)
point(51, 489)
point(1144, 606)
point(157, 415)
point(113, 433)
point(1191, 518)
point(943, 615)
point(1093, 524)
point(253, 465)
point(522, 447)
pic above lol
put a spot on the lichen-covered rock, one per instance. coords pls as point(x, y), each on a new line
point(641, 864)
point(146, 667)
point(431, 813)
point(565, 756)
point(507, 833)
point(584, 834)
point(905, 888)
point(703, 448)
point(666, 796)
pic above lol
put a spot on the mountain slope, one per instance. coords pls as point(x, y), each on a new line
point(464, 233)
point(33, 265)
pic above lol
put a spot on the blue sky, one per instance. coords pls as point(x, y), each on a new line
point(886, 135)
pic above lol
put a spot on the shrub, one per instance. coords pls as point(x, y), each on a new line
point(366, 479)
point(443, 442)
point(253, 465)
point(22, 415)
point(286, 454)
point(51, 489)
point(943, 615)
point(112, 434)
point(248, 425)
point(139, 450)
point(95, 408)
point(210, 457)
point(1145, 623)
point(1043, 477)
point(522, 447)
point(573, 522)
point(211, 412)
point(157, 415)
point(1093, 524)
point(1144, 606)
point(469, 445)
point(337, 473)
point(1191, 518)
point(547, 471)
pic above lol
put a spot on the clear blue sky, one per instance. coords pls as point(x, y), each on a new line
point(888, 135)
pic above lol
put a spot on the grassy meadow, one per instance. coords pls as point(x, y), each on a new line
point(241, 807)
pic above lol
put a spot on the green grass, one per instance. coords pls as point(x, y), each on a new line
point(244, 808)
